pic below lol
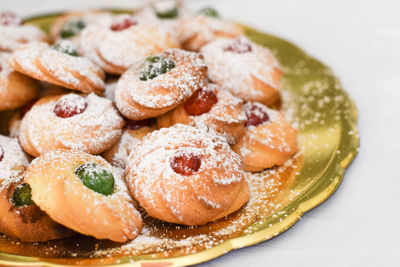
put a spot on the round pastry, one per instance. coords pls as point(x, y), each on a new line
point(120, 43)
point(133, 133)
point(268, 140)
point(71, 121)
point(20, 217)
point(186, 175)
point(205, 26)
point(69, 25)
point(15, 89)
point(59, 65)
point(217, 109)
point(14, 33)
point(159, 84)
point(247, 70)
point(84, 193)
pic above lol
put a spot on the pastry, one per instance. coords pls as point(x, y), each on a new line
point(84, 193)
point(160, 83)
point(269, 140)
point(71, 121)
point(16, 89)
point(14, 33)
point(59, 65)
point(186, 175)
point(20, 217)
point(124, 40)
point(199, 29)
point(134, 131)
point(217, 109)
point(246, 69)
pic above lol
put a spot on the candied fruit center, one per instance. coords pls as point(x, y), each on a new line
point(66, 47)
point(135, 125)
point(96, 178)
point(200, 102)
point(155, 66)
point(255, 115)
point(1, 153)
point(209, 12)
point(186, 164)
point(123, 25)
point(22, 195)
point(10, 18)
point(72, 27)
point(70, 105)
point(239, 46)
point(1, 68)
point(166, 10)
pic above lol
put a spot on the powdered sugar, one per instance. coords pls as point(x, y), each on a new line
point(13, 36)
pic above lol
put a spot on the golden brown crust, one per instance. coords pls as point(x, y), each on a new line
point(138, 100)
point(215, 190)
point(41, 62)
point(16, 89)
point(226, 117)
point(60, 193)
point(268, 144)
point(27, 223)
point(93, 131)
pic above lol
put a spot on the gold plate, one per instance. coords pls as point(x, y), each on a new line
point(326, 118)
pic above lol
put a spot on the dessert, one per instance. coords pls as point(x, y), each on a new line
point(60, 65)
point(186, 175)
point(98, 203)
point(268, 140)
point(16, 89)
point(160, 83)
point(71, 121)
point(245, 69)
point(211, 107)
point(14, 33)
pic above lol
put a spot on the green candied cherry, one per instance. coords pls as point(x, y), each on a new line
point(155, 66)
point(66, 47)
point(166, 9)
point(22, 195)
point(209, 12)
point(72, 27)
point(96, 177)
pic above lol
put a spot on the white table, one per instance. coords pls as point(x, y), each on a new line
point(360, 40)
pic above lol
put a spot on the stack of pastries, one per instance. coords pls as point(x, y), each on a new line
point(162, 111)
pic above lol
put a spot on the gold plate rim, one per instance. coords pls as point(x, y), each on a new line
point(311, 198)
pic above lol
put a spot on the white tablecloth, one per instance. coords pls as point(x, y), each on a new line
point(360, 40)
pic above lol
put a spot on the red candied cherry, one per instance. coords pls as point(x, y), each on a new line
point(185, 164)
point(123, 24)
point(70, 105)
point(135, 125)
point(9, 18)
point(1, 68)
point(1, 153)
point(255, 115)
point(239, 46)
point(200, 102)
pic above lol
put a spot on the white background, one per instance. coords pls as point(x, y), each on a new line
point(360, 40)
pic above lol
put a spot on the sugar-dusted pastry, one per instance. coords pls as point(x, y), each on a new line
point(16, 89)
point(246, 69)
point(134, 131)
point(84, 193)
point(124, 40)
point(13, 32)
point(217, 109)
point(71, 121)
point(159, 83)
point(197, 30)
point(69, 25)
point(59, 65)
point(20, 217)
point(268, 140)
point(186, 175)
